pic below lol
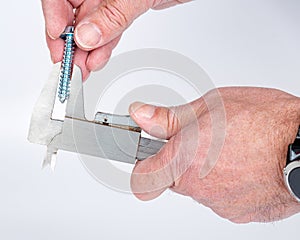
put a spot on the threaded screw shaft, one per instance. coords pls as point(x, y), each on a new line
point(67, 64)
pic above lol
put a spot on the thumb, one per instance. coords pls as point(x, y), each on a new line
point(109, 19)
point(153, 176)
point(162, 122)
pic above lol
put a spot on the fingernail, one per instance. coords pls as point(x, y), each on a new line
point(50, 36)
point(142, 110)
point(88, 35)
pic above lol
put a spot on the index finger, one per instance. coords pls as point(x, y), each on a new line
point(58, 14)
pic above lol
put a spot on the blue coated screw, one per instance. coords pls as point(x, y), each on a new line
point(67, 64)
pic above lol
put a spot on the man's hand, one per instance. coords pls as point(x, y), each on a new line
point(234, 165)
point(99, 25)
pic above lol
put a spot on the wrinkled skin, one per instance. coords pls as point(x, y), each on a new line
point(109, 18)
point(245, 182)
point(234, 165)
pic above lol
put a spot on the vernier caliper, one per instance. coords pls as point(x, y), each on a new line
point(62, 125)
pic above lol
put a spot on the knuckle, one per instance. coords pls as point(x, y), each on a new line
point(114, 15)
point(155, 3)
point(172, 122)
point(169, 162)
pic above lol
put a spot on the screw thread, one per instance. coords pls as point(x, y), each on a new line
point(66, 67)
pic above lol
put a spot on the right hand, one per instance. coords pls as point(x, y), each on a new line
point(99, 25)
point(226, 150)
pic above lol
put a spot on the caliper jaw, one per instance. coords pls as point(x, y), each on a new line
point(64, 127)
point(43, 130)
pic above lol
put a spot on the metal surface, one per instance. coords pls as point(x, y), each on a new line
point(292, 163)
point(148, 147)
point(42, 128)
point(100, 140)
point(67, 64)
point(109, 136)
point(116, 120)
point(286, 172)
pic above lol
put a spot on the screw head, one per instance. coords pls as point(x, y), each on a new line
point(68, 30)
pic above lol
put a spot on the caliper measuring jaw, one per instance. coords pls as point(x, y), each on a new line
point(63, 126)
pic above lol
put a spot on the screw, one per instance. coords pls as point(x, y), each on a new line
point(67, 64)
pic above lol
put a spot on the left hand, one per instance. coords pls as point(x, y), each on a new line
point(99, 26)
point(226, 150)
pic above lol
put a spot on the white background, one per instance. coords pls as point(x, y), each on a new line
point(238, 42)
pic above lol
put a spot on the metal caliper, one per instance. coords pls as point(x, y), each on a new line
point(62, 125)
